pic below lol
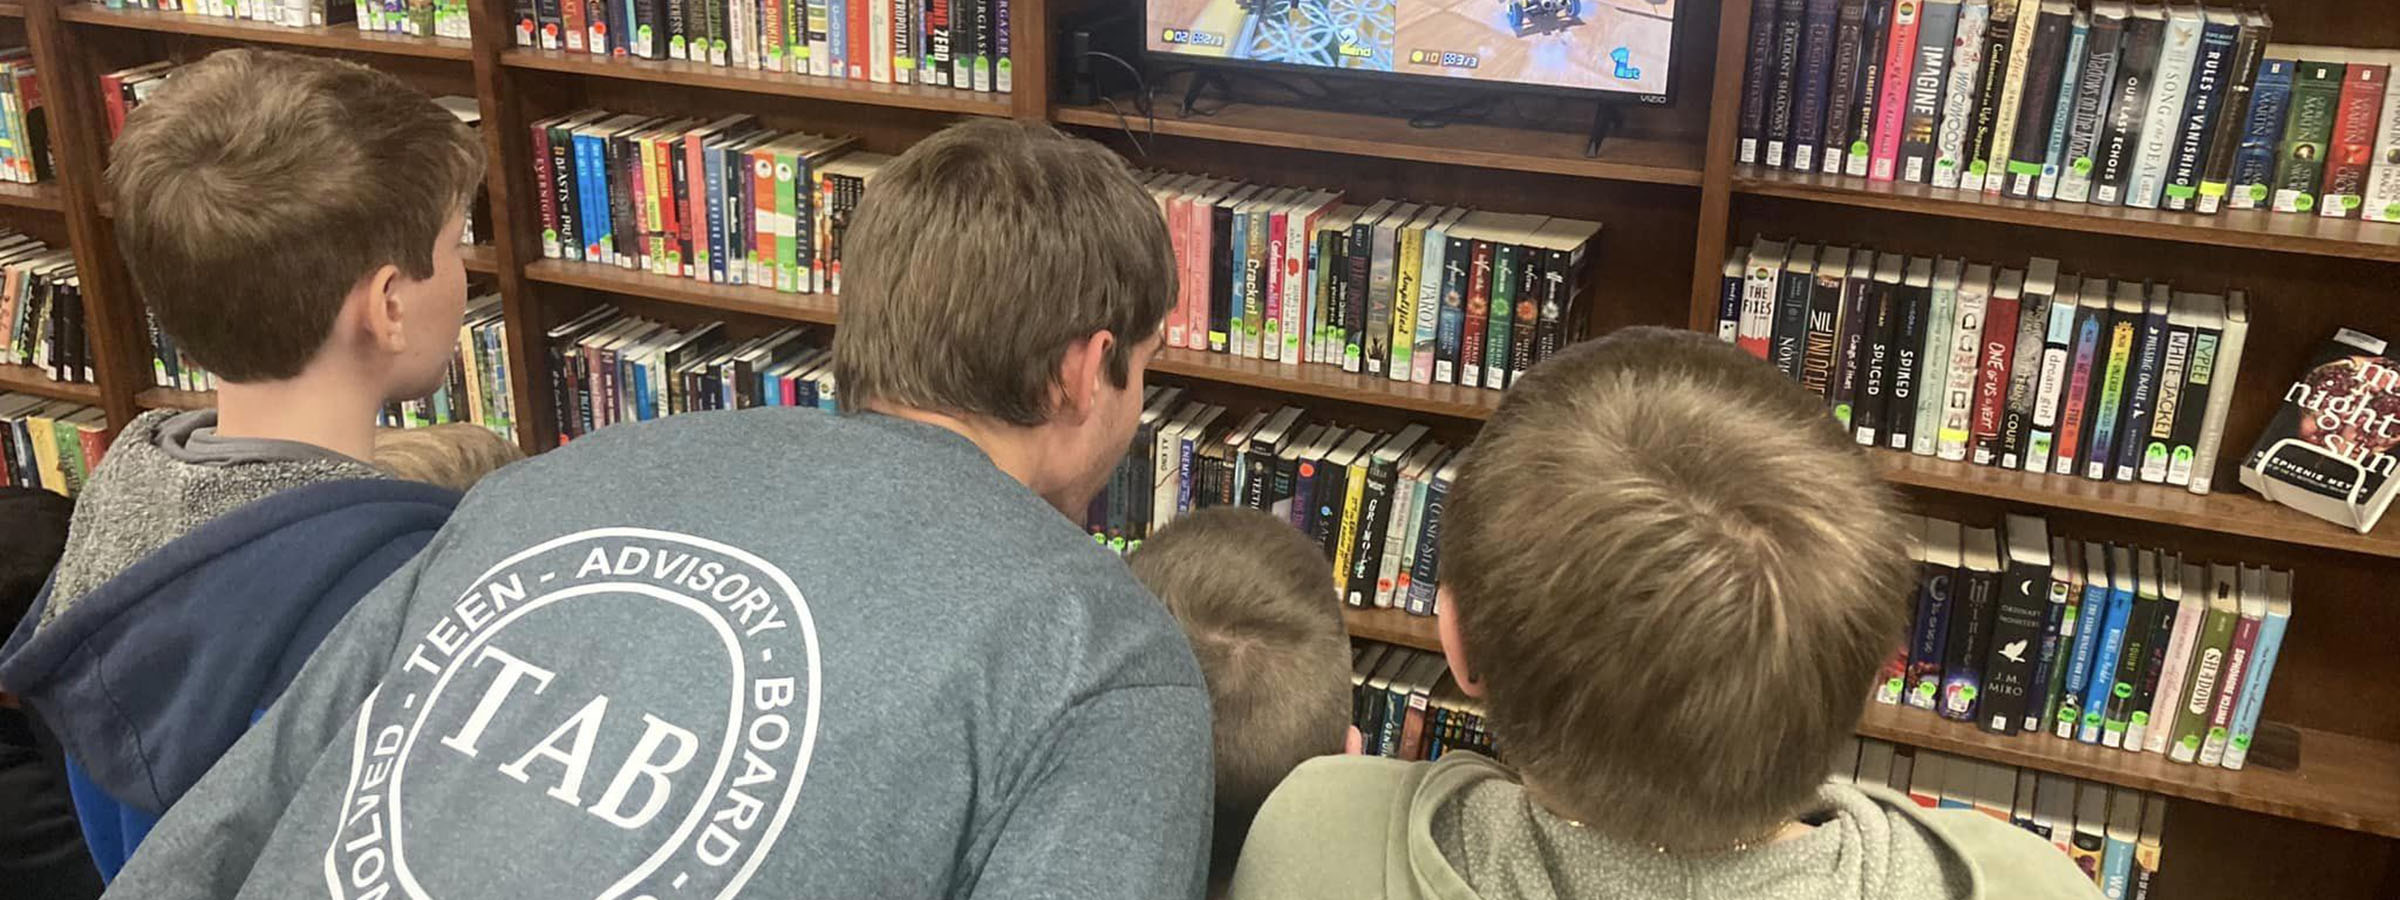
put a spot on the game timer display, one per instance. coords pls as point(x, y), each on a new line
point(1615, 46)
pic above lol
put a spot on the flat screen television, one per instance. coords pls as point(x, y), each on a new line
point(1584, 46)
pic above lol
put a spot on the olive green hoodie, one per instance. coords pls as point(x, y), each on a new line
point(1342, 828)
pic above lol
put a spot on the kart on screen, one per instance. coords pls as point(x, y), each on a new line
point(1531, 17)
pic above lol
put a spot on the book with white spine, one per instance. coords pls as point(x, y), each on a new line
point(1933, 368)
point(1958, 100)
point(1966, 346)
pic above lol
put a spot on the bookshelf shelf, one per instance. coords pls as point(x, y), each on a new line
point(482, 258)
point(2247, 229)
point(12, 10)
point(327, 37)
point(31, 380)
point(2224, 512)
point(1328, 382)
point(2343, 781)
point(42, 196)
point(1624, 158)
point(818, 308)
point(668, 71)
point(1392, 626)
point(170, 398)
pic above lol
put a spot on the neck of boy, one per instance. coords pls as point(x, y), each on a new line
point(1017, 451)
point(1789, 830)
point(329, 413)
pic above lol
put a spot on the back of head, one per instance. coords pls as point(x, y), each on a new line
point(33, 532)
point(1674, 579)
point(454, 456)
point(1258, 602)
point(256, 188)
point(977, 257)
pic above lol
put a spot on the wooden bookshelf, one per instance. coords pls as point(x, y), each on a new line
point(32, 380)
point(11, 9)
point(692, 74)
point(1330, 382)
point(2247, 229)
point(2231, 509)
point(170, 398)
point(1392, 626)
point(1557, 152)
point(482, 258)
point(323, 37)
point(815, 308)
point(41, 196)
point(2342, 781)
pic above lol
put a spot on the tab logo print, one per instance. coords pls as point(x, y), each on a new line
point(620, 712)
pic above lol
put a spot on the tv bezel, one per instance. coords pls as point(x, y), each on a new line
point(1664, 97)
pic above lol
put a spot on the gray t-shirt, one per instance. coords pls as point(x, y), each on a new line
point(766, 653)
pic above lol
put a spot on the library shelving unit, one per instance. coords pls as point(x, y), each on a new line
point(1673, 200)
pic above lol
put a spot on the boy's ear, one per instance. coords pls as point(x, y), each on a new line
point(380, 311)
point(1454, 651)
point(1079, 372)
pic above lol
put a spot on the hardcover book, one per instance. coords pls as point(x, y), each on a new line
point(2057, 354)
point(2012, 92)
point(2087, 364)
point(2095, 78)
point(1999, 39)
point(1899, 64)
point(2062, 113)
point(2300, 160)
point(2216, 177)
point(1967, 45)
point(2382, 200)
point(2141, 384)
point(1824, 314)
point(2187, 595)
point(2262, 135)
point(1890, 303)
point(2268, 646)
point(2253, 612)
point(2198, 121)
point(1867, 101)
point(1793, 291)
point(2011, 373)
point(2128, 105)
point(1816, 64)
point(2045, 62)
point(1909, 335)
point(2208, 664)
point(1970, 641)
point(1933, 366)
point(2107, 405)
point(2162, 117)
point(2023, 604)
point(1842, 82)
point(2228, 364)
point(2349, 151)
point(1936, 590)
point(2329, 451)
point(1937, 25)
point(1855, 332)
point(1964, 382)
point(2175, 361)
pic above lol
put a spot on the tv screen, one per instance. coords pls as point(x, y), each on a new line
point(1616, 46)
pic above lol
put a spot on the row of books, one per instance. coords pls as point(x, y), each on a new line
point(1371, 500)
point(960, 44)
point(726, 202)
point(2125, 647)
point(2029, 368)
point(1409, 291)
point(608, 367)
point(170, 367)
point(2175, 107)
point(41, 309)
point(24, 126)
point(1407, 706)
point(2114, 834)
point(49, 444)
point(419, 18)
point(477, 387)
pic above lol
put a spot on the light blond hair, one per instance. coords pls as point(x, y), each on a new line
point(454, 456)
point(257, 188)
point(980, 255)
point(1674, 578)
point(1256, 599)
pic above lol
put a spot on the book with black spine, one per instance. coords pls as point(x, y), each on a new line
point(2012, 96)
point(2233, 109)
point(1929, 635)
point(1867, 102)
point(2307, 129)
point(2037, 103)
point(1937, 25)
point(1729, 295)
point(1998, 42)
point(1817, 43)
point(2141, 383)
point(2138, 571)
point(1824, 321)
point(1756, 84)
point(1854, 332)
point(2062, 113)
point(2095, 79)
point(2128, 105)
point(2175, 360)
point(2112, 374)
point(1889, 303)
point(2156, 604)
point(2203, 100)
point(1969, 645)
point(2162, 116)
point(2206, 314)
point(1849, 45)
point(2023, 602)
point(2025, 372)
point(1375, 505)
point(1908, 355)
point(1793, 291)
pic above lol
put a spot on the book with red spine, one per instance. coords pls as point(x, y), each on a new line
point(2350, 152)
point(1992, 368)
point(1899, 63)
point(858, 52)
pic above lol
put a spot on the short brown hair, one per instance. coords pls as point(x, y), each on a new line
point(1675, 578)
point(978, 256)
point(454, 456)
point(1258, 603)
point(257, 188)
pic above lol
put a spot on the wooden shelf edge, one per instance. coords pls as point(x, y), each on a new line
point(814, 308)
point(2222, 512)
point(31, 380)
point(2245, 229)
point(44, 195)
point(12, 10)
point(333, 37)
point(2344, 782)
point(170, 398)
point(483, 258)
point(936, 99)
point(1431, 151)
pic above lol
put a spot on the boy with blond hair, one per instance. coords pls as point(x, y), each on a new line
point(1670, 579)
point(293, 224)
point(1259, 605)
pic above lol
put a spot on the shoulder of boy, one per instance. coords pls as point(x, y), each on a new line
point(2004, 860)
point(1330, 830)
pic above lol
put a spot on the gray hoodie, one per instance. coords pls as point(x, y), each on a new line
point(762, 653)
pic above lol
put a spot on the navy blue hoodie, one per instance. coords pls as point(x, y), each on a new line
point(151, 676)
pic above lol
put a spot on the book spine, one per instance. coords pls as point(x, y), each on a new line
point(1874, 384)
point(1400, 332)
point(2300, 161)
point(1965, 364)
point(1478, 315)
point(1530, 287)
point(1899, 64)
point(2225, 137)
point(1501, 307)
point(1908, 357)
point(1782, 89)
point(2382, 197)
point(1933, 366)
point(1850, 344)
point(2208, 674)
point(1425, 570)
point(2199, 120)
point(1867, 103)
point(2262, 133)
point(1755, 87)
point(2141, 393)
point(2057, 348)
point(1937, 25)
point(2108, 393)
point(2003, 383)
point(2107, 659)
point(1850, 27)
point(2348, 151)
point(1968, 644)
point(1450, 330)
point(1792, 294)
point(2037, 101)
point(1926, 648)
point(2090, 612)
point(2000, 36)
point(2062, 111)
point(2174, 370)
point(2182, 634)
point(2237, 665)
point(2268, 646)
point(1958, 100)
point(2094, 80)
point(2157, 618)
point(2120, 142)
point(2228, 366)
point(547, 201)
point(1816, 65)
point(2090, 366)
point(2019, 612)
point(2058, 644)
point(2163, 113)
point(2012, 95)
point(1755, 330)
point(1817, 349)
